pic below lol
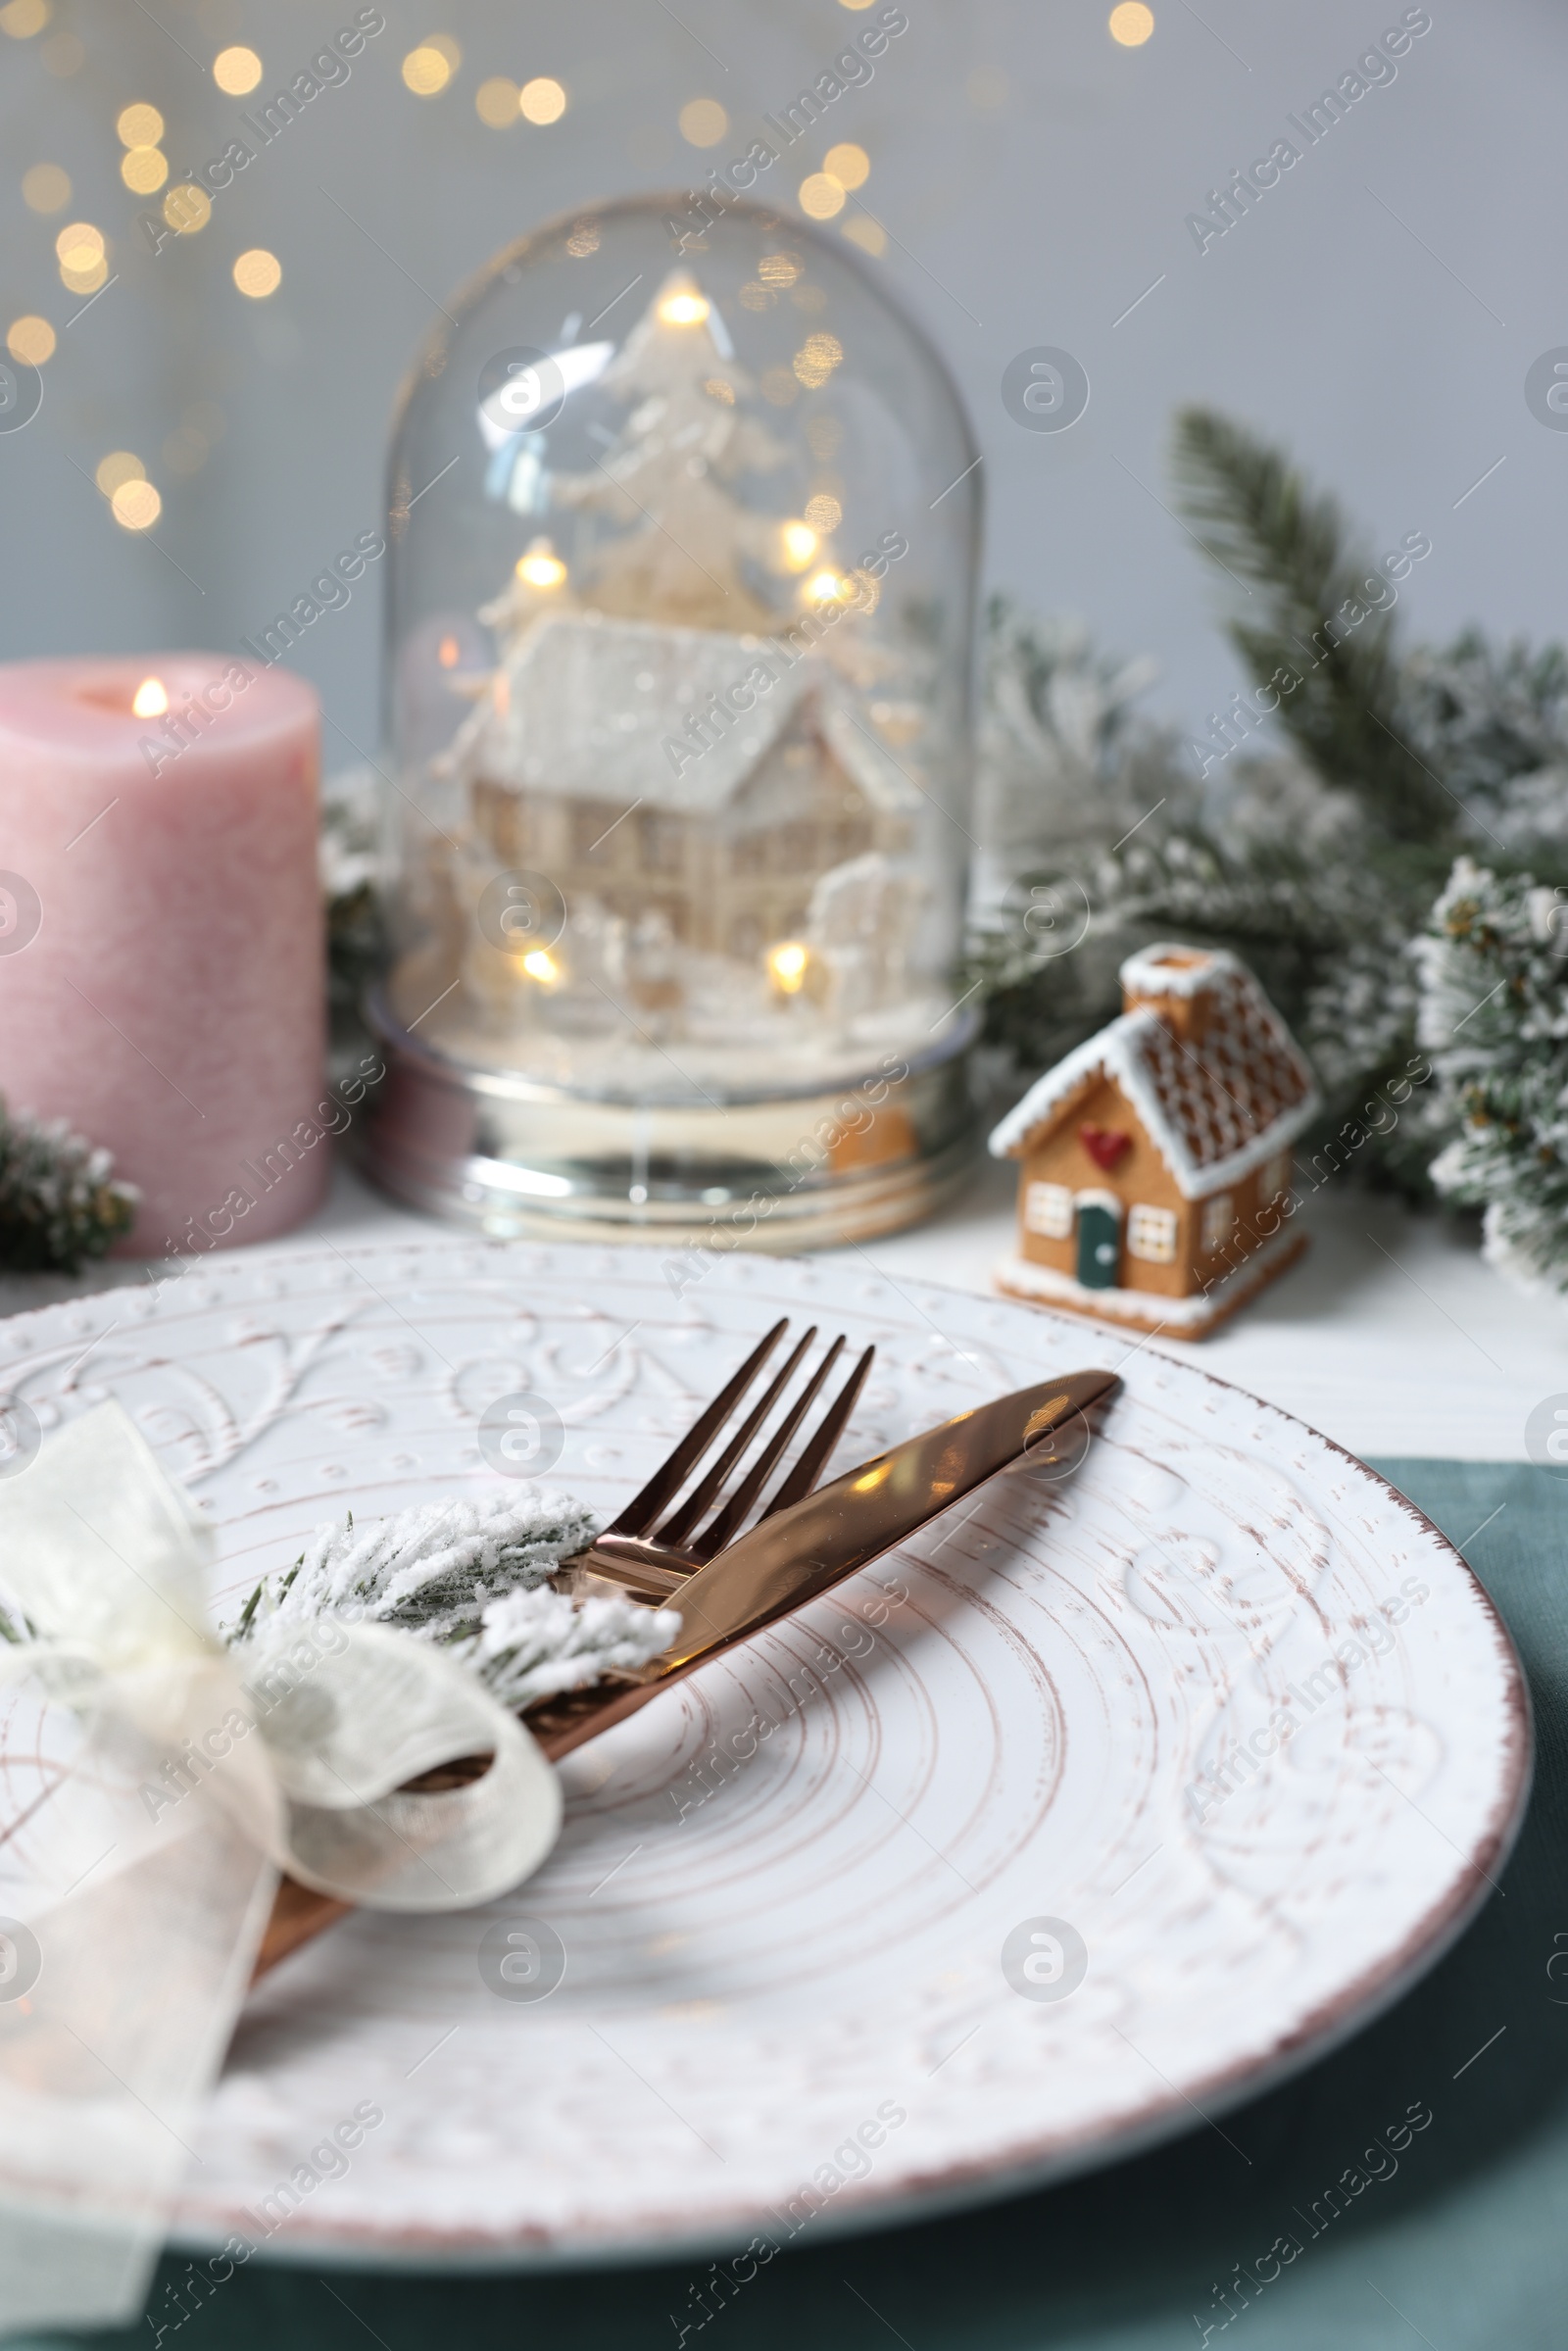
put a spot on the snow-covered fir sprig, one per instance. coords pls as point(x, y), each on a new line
point(60, 1201)
point(472, 1577)
point(533, 1642)
point(1493, 1017)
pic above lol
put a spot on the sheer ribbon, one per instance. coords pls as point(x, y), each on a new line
point(150, 1863)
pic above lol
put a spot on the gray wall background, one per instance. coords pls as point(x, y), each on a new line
point(1378, 311)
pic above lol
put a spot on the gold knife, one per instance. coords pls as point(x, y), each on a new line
point(805, 1550)
point(792, 1557)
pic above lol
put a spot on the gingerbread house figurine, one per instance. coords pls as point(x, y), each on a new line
point(1156, 1164)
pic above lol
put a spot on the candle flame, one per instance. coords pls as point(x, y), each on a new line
point(541, 966)
point(150, 699)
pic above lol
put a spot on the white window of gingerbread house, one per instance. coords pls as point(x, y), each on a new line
point(1276, 1176)
point(1218, 1217)
point(1047, 1211)
point(1151, 1234)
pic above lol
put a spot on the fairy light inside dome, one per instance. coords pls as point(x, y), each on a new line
point(539, 567)
point(684, 308)
point(799, 545)
point(150, 699)
point(786, 965)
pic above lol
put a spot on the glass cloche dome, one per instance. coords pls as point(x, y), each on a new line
point(683, 524)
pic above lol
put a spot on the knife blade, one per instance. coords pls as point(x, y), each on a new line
point(802, 1551)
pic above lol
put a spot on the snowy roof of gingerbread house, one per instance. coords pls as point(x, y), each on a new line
point(589, 703)
point(1214, 1111)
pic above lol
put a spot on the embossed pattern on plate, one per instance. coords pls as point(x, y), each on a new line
point(1160, 1700)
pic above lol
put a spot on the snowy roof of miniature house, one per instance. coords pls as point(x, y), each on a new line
point(590, 702)
point(1214, 1111)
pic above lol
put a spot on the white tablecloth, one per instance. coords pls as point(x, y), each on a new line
point(1391, 1334)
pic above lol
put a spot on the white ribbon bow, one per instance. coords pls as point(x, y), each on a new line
point(201, 1773)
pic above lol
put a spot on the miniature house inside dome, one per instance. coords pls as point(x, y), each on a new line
point(683, 522)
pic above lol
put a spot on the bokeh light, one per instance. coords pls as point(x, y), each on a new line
point(703, 121)
point(848, 164)
point(136, 506)
point(140, 126)
point(1131, 23)
point(187, 209)
point(80, 246)
point(31, 340)
point(542, 100)
point(21, 18)
point(46, 188)
point(821, 196)
point(495, 102)
point(824, 512)
point(816, 359)
point(425, 71)
point(869, 235)
point(144, 170)
point(117, 469)
point(238, 71)
point(258, 273)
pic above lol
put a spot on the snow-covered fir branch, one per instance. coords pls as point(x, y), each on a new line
point(1494, 1016)
point(472, 1577)
point(60, 1201)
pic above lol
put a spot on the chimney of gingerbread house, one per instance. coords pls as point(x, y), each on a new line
point(1179, 983)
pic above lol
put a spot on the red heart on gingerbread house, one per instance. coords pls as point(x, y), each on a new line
point(1104, 1144)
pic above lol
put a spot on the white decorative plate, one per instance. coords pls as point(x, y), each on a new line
point(785, 2003)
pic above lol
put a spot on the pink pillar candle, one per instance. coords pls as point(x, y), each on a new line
point(162, 948)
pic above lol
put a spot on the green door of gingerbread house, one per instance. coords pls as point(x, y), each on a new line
point(1098, 1244)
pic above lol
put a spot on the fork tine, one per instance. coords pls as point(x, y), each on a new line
point(804, 1476)
point(733, 1515)
point(676, 1467)
point(697, 1506)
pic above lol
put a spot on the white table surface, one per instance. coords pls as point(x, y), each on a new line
point(1391, 1334)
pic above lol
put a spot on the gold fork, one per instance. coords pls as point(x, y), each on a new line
point(650, 1554)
